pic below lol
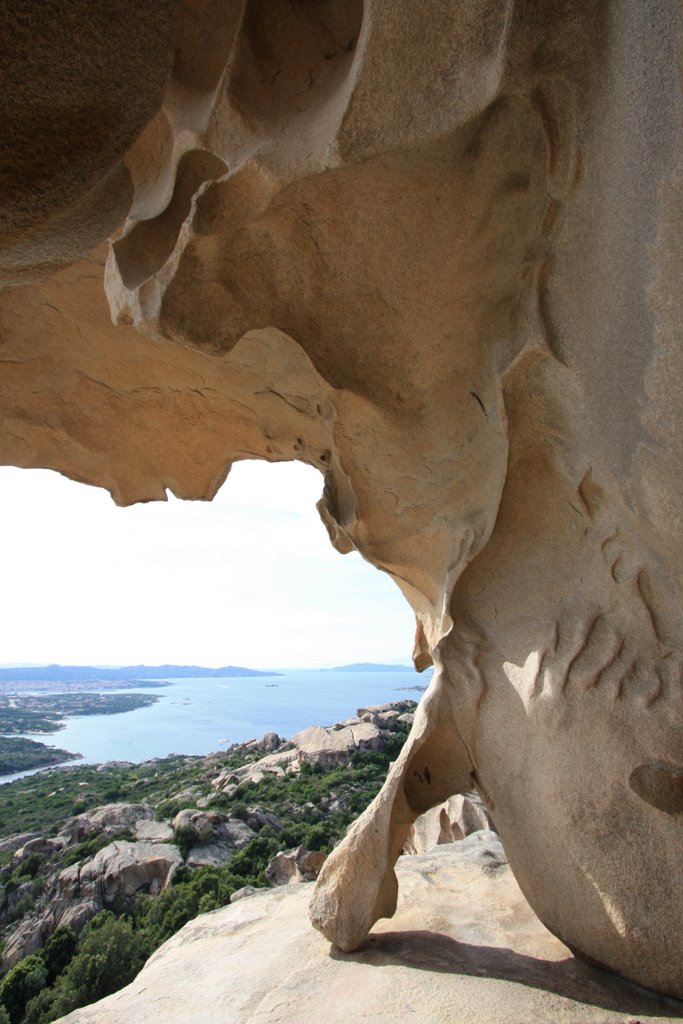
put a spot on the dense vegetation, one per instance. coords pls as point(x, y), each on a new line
point(19, 755)
point(48, 712)
point(314, 808)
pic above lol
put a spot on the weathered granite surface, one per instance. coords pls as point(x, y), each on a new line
point(433, 250)
point(464, 947)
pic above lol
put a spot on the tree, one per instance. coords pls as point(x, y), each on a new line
point(109, 956)
point(59, 952)
point(24, 981)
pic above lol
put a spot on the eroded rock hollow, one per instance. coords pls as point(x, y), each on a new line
point(434, 250)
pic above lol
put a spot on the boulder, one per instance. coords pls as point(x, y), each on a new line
point(25, 939)
point(124, 869)
point(451, 821)
point(152, 831)
point(210, 855)
point(67, 881)
point(464, 946)
point(74, 914)
point(257, 817)
point(328, 746)
point(108, 818)
point(270, 741)
point(38, 844)
point(277, 763)
point(13, 843)
point(214, 826)
point(241, 894)
point(299, 865)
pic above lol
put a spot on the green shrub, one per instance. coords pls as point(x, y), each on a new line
point(59, 952)
point(186, 837)
point(40, 1009)
point(109, 956)
point(169, 808)
point(31, 866)
point(317, 837)
point(166, 914)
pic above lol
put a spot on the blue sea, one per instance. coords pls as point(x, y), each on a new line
point(198, 716)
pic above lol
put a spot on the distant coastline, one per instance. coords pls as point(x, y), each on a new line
point(370, 666)
point(135, 674)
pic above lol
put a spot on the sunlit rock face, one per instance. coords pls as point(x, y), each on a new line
point(434, 250)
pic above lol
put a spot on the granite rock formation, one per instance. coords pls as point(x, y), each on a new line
point(464, 946)
point(433, 250)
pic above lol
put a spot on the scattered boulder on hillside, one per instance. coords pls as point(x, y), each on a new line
point(326, 745)
point(400, 706)
point(26, 939)
point(13, 843)
point(318, 745)
point(278, 764)
point(39, 844)
point(218, 837)
point(108, 818)
point(270, 742)
point(152, 831)
point(257, 817)
point(123, 869)
point(241, 894)
point(74, 914)
point(299, 865)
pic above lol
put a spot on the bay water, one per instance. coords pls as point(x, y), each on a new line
point(198, 716)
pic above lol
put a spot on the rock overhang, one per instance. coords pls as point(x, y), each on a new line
point(446, 275)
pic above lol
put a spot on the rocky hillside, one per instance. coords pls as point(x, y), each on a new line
point(153, 845)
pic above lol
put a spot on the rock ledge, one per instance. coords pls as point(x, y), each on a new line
point(463, 946)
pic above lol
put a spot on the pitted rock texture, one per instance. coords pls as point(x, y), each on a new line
point(433, 250)
point(464, 947)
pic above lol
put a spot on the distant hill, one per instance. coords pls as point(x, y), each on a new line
point(370, 666)
point(92, 674)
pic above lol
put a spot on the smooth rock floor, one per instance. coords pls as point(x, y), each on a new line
point(464, 946)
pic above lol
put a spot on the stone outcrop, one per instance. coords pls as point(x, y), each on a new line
point(272, 764)
point(152, 831)
point(434, 250)
point(324, 745)
point(111, 818)
point(464, 946)
point(24, 940)
point(13, 843)
point(123, 869)
point(117, 872)
point(453, 820)
point(299, 865)
point(328, 746)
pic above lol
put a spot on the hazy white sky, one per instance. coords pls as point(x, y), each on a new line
point(248, 579)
